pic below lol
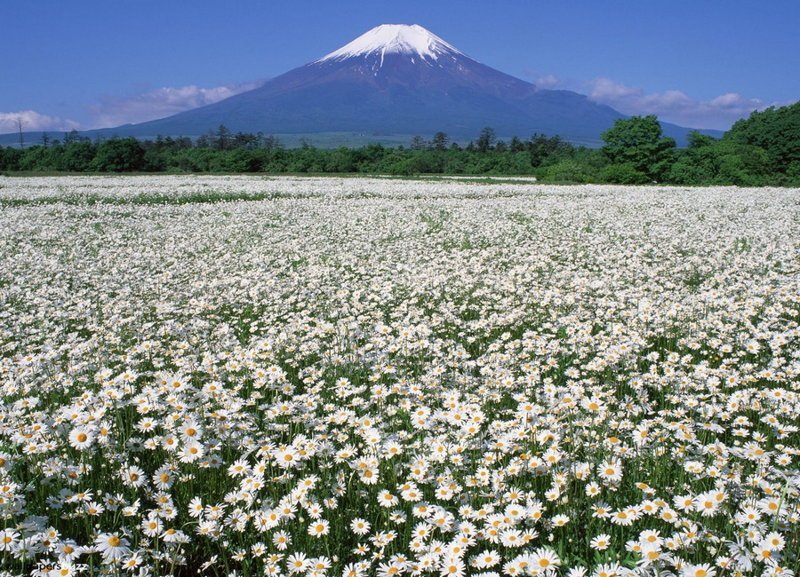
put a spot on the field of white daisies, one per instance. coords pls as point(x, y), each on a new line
point(373, 377)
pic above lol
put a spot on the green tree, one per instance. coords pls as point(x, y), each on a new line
point(698, 140)
point(78, 155)
point(485, 139)
point(624, 173)
point(418, 143)
point(119, 155)
point(516, 145)
point(543, 148)
point(440, 140)
point(73, 136)
point(742, 165)
point(340, 160)
point(223, 137)
point(567, 170)
point(697, 164)
point(637, 144)
point(776, 132)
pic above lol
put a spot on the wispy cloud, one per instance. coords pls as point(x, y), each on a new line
point(548, 81)
point(674, 105)
point(33, 121)
point(159, 103)
point(670, 105)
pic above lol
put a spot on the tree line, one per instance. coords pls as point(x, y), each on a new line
point(761, 150)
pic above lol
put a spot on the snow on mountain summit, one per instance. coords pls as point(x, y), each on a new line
point(395, 38)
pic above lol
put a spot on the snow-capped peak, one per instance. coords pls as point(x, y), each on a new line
point(395, 38)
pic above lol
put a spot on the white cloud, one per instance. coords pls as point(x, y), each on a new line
point(675, 106)
point(670, 105)
point(33, 121)
point(603, 88)
point(548, 81)
point(159, 103)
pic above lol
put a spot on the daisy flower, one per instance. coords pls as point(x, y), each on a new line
point(111, 546)
point(600, 542)
point(544, 560)
point(360, 526)
point(81, 438)
point(319, 528)
point(702, 570)
point(610, 471)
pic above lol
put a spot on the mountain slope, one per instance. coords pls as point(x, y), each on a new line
point(396, 80)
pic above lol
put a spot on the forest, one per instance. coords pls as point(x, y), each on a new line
point(762, 150)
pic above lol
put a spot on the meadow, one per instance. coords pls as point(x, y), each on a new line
point(237, 375)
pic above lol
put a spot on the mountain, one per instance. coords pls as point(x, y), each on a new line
point(396, 80)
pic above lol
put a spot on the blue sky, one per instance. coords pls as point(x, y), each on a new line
point(88, 63)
